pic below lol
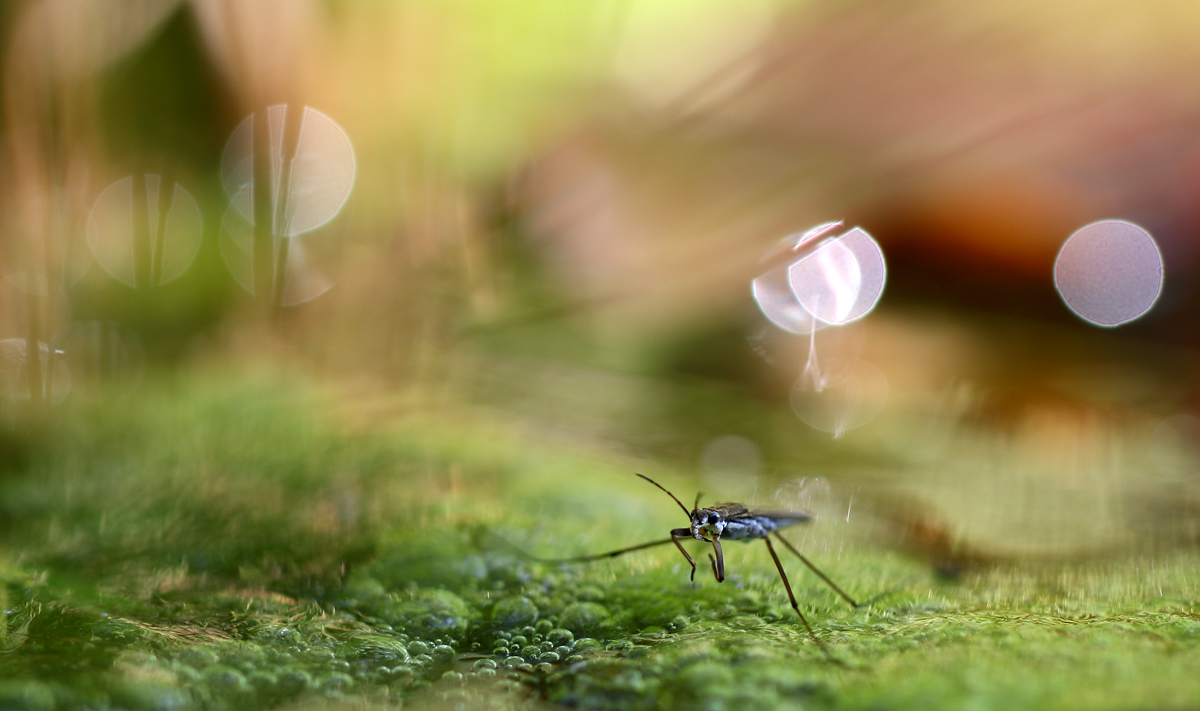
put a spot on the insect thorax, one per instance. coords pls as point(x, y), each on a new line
point(731, 522)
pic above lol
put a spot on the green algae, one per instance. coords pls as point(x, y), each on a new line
point(227, 571)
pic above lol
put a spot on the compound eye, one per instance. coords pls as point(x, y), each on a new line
point(712, 518)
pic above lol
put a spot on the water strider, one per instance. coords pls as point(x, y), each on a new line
point(732, 522)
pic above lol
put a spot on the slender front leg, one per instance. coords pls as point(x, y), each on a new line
point(586, 558)
point(814, 569)
point(676, 534)
point(719, 563)
point(788, 586)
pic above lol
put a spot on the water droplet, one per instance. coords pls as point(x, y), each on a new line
point(514, 611)
point(560, 636)
point(335, 681)
point(584, 644)
point(262, 680)
point(223, 677)
point(584, 616)
point(294, 681)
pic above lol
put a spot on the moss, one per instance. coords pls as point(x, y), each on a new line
point(515, 611)
point(228, 548)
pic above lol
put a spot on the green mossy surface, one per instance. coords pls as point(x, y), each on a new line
point(260, 544)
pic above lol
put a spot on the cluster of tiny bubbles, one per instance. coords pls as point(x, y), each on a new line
point(536, 647)
point(1109, 272)
point(490, 618)
point(281, 661)
point(447, 638)
point(365, 637)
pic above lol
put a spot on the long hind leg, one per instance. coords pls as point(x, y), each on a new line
point(795, 606)
point(814, 569)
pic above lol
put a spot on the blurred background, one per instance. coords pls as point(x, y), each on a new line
point(553, 212)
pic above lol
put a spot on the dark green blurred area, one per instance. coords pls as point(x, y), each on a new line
point(163, 109)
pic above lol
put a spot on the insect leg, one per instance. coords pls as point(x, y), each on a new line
point(814, 569)
point(788, 586)
point(586, 558)
point(719, 563)
point(676, 534)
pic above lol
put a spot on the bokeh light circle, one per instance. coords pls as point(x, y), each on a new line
point(14, 371)
point(830, 281)
point(1109, 272)
point(845, 395)
point(775, 298)
point(826, 282)
point(1175, 446)
point(172, 239)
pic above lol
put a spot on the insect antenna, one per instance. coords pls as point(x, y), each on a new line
point(689, 514)
point(697, 504)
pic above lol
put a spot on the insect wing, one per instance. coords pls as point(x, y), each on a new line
point(783, 518)
point(729, 511)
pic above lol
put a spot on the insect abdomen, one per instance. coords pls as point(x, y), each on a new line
point(748, 528)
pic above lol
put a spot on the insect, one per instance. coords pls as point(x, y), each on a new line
point(732, 522)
